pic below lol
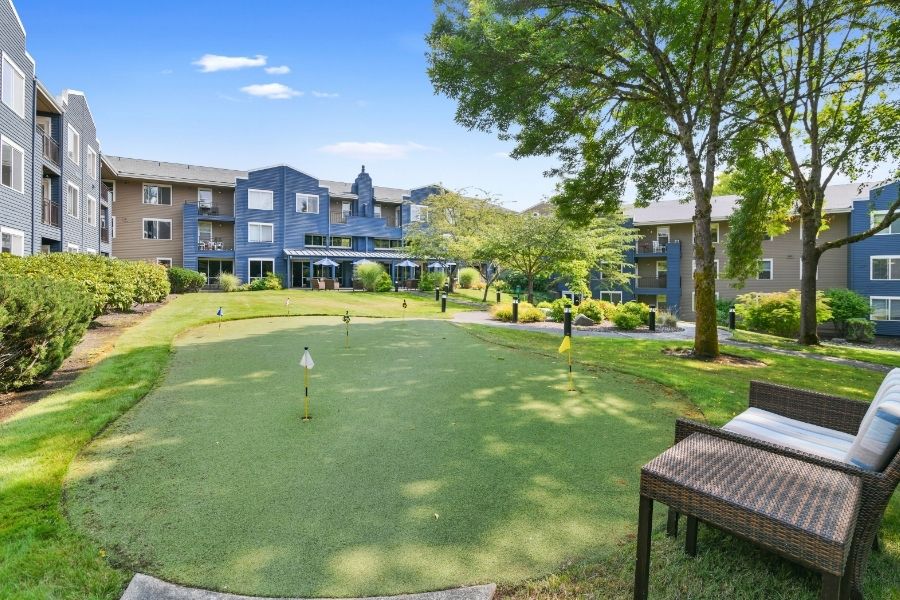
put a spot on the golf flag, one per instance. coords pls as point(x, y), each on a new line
point(566, 345)
point(307, 360)
point(219, 312)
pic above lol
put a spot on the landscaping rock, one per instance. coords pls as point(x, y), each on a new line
point(583, 321)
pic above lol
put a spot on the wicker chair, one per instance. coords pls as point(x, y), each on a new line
point(833, 412)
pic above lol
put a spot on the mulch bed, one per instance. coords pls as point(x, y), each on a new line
point(723, 359)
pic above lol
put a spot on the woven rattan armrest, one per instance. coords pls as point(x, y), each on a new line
point(833, 412)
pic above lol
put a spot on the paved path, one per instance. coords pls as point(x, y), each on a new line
point(144, 587)
point(483, 318)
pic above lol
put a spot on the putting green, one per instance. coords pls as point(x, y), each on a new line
point(433, 460)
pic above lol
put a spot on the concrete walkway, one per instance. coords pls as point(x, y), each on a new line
point(144, 587)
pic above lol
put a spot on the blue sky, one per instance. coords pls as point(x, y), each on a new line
point(356, 91)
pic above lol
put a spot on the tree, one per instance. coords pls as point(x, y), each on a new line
point(618, 89)
point(822, 106)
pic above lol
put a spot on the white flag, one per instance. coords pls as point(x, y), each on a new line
point(307, 360)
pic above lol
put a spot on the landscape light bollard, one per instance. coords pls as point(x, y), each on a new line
point(652, 318)
point(444, 302)
point(567, 321)
point(732, 318)
point(515, 315)
point(397, 286)
point(498, 297)
point(437, 294)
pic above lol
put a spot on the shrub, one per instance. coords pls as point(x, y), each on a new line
point(185, 281)
point(593, 310)
point(151, 281)
point(846, 305)
point(558, 306)
point(384, 283)
point(544, 304)
point(527, 313)
point(272, 281)
point(41, 321)
point(860, 330)
point(609, 309)
point(229, 282)
point(777, 313)
point(431, 280)
point(666, 319)
point(369, 274)
point(626, 320)
point(468, 277)
point(637, 308)
point(723, 307)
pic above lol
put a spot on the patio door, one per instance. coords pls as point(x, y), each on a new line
point(300, 273)
point(662, 270)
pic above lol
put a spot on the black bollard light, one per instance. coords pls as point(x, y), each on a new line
point(498, 297)
point(397, 286)
point(652, 317)
point(515, 318)
point(577, 299)
point(437, 293)
point(444, 302)
point(567, 321)
point(732, 318)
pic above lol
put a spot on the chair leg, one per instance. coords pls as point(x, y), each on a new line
point(672, 523)
point(831, 587)
point(690, 538)
point(642, 565)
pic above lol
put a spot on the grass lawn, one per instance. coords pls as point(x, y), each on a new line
point(477, 295)
point(879, 356)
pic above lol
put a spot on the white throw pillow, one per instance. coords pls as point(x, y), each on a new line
point(874, 449)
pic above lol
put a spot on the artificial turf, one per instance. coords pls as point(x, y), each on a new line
point(433, 459)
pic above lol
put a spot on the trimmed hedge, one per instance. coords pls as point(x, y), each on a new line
point(185, 281)
point(41, 321)
point(527, 313)
point(631, 315)
point(777, 313)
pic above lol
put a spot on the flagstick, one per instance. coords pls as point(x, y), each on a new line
point(306, 416)
point(571, 378)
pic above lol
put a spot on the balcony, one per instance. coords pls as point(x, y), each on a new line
point(339, 217)
point(49, 147)
point(50, 212)
point(651, 247)
point(661, 281)
point(104, 234)
point(106, 194)
point(214, 245)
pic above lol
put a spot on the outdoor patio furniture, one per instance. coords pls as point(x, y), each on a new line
point(412, 284)
point(800, 510)
point(358, 285)
point(841, 416)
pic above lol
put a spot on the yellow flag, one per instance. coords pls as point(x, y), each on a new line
point(566, 344)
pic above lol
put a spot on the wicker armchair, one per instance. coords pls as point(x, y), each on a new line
point(832, 412)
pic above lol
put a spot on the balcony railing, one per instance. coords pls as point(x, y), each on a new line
point(660, 281)
point(105, 193)
point(214, 246)
point(50, 212)
point(49, 147)
point(339, 216)
point(104, 234)
point(652, 247)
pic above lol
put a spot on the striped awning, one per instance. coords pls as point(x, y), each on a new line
point(335, 253)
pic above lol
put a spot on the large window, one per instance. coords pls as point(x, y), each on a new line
point(766, 269)
point(260, 267)
point(418, 213)
point(157, 229)
point(382, 244)
point(307, 203)
point(73, 145)
point(260, 199)
point(614, 297)
point(13, 87)
point(204, 197)
point(893, 229)
point(73, 200)
point(13, 171)
point(885, 309)
point(92, 163)
point(157, 194)
point(90, 207)
point(312, 239)
point(341, 242)
point(204, 231)
point(885, 268)
point(260, 233)
point(12, 241)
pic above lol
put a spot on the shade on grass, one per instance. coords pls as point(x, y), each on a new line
point(433, 460)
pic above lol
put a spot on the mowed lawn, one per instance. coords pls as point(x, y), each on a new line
point(433, 460)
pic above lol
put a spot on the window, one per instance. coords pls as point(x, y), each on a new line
point(714, 232)
point(341, 242)
point(260, 199)
point(157, 229)
point(12, 241)
point(13, 171)
point(73, 204)
point(387, 244)
point(766, 269)
point(885, 309)
point(13, 87)
point(878, 216)
point(166, 262)
point(614, 297)
point(260, 267)
point(311, 239)
point(884, 268)
point(418, 213)
point(204, 198)
point(376, 210)
point(662, 235)
point(90, 207)
point(73, 145)
point(92, 163)
point(157, 194)
point(112, 228)
point(307, 203)
point(260, 233)
point(204, 231)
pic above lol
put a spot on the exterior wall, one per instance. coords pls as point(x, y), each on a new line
point(16, 209)
point(130, 211)
point(77, 230)
point(862, 252)
point(44, 167)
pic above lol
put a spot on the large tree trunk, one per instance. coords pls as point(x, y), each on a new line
point(706, 332)
point(531, 289)
point(809, 260)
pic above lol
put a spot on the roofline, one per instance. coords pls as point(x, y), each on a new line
point(276, 166)
point(47, 94)
point(149, 177)
point(19, 19)
point(830, 211)
point(104, 160)
point(885, 183)
point(64, 96)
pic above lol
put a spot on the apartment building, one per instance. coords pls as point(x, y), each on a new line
point(275, 219)
point(51, 197)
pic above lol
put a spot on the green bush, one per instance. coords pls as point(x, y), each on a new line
point(272, 281)
point(860, 330)
point(151, 281)
point(723, 307)
point(627, 320)
point(544, 304)
point(777, 313)
point(846, 305)
point(185, 281)
point(384, 283)
point(431, 280)
point(41, 321)
point(369, 274)
point(593, 309)
point(558, 306)
point(527, 312)
point(637, 308)
point(229, 282)
point(468, 277)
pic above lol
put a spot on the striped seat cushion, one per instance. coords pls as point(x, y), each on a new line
point(776, 429)
point(876, 447)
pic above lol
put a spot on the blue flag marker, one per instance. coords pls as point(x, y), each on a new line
point(219, 314)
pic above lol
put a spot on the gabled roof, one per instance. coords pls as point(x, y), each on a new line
point(138, 168)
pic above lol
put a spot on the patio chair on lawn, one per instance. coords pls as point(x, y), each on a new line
point(844, 436)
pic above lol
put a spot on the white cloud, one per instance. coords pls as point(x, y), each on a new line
point(282, 70)
point(210, 63)
point(375, 150)
point(325, 94)
point(272, 91)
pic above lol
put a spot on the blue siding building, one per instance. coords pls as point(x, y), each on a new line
point(875, 262)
